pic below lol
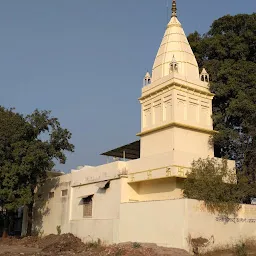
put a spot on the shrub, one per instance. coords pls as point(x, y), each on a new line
point(58, 228)
point(241, 250)
point(214, 183)
point(136, 245)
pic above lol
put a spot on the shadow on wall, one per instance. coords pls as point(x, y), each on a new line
point(41, 208)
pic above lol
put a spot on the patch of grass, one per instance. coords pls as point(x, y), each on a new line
point(94, 244)
point(136, 245)
point(240, 249)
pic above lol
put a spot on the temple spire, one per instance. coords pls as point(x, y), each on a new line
point(175, 43)
point(174, 8)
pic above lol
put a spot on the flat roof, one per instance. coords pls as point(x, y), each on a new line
point(130, 151)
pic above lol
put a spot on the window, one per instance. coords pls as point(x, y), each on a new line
point(64, 192)
point(51, 195)
point(87, 206)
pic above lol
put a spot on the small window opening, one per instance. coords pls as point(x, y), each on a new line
point(51, 195)
point(87, 206)
point(64, 192)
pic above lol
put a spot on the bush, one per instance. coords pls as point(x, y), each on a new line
point(214, 183)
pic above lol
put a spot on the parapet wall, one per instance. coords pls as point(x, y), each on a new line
point(174, 223)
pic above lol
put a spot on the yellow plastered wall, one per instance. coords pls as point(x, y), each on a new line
point(160, 189)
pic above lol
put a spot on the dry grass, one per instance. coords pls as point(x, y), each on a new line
point(241, 248)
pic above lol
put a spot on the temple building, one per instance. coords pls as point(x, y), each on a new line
point(139, 196)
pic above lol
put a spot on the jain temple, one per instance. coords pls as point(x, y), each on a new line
point(139, 198)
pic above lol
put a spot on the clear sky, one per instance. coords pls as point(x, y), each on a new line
point(85, 61)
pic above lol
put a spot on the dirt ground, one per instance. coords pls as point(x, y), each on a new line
point(67, 245)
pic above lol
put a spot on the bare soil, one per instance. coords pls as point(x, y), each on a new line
point(67, 245)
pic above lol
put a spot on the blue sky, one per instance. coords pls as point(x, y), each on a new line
point(85, 61)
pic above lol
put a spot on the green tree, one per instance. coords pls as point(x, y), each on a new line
point(29, 147)
point(211, 181)
point(228, 52)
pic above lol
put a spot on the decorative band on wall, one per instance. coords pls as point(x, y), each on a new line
point(180, 125)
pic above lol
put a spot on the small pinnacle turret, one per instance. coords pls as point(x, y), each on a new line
point(147, 79)
point(205, 76)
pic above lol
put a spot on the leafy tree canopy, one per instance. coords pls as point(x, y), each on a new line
point(29, 147)
point(228, 52)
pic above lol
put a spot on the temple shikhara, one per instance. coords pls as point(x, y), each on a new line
point(139, 195)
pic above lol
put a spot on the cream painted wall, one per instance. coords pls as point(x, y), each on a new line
point(176, 105)
point(105, 212)
point(150, 162)
point(157, 143)
point(224, 231)
point(192, 142)
point(53, 212)
point(176, 139)
point(94, 174)
point(160, 222)
point(68, 212)
point(102, 200)
point(192, 108)
point(171, 222)
point(93, 229)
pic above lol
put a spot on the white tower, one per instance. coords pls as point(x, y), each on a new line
point(176, 107)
